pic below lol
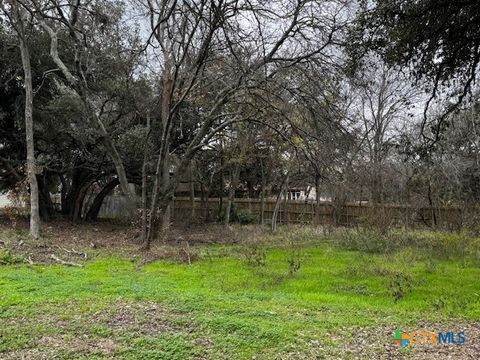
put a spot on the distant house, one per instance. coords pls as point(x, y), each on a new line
point(297, 193)
point(307, 194)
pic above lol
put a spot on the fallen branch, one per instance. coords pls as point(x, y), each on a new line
point(74, 252)
point(63, 262)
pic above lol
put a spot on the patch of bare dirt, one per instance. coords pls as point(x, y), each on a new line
point(101, 332)
point(64, 347)
point(145, 318)
point(29, 354)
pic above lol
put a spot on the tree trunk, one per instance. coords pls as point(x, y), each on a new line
point(70, 196)
point(262, 194)
point(162, 174)
point(119, 168)
point(32, 178)
point(317, 200)
point(202, 199)
point(192, 195)
point(221, 191)
point(79, 178)
point(251, 190)
point(277, 203)
point(92, 213)
point(432, 207)
point(262, 206)
point(144, 198)
point(376, 196)
point(78, 205)
point(63, 193)
point(231, 193)
point(206, 206)
point(144, 180)
point(285, 214)
point(166, 183)
point(47, 209)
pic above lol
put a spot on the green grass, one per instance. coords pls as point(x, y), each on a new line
point(222, 306)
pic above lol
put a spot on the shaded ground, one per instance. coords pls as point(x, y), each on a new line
point(78, 242)
point(239, 293)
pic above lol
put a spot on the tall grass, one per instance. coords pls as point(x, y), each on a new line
point(425, 243)
point(438, 244)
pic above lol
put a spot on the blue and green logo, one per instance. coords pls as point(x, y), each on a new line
point(428, 337)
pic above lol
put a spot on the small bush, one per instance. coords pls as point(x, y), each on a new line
point(293, 264)
point(7, 258)
point(239, 216)
point(294, 252)
point(254, 251)
point(255, 255)
point(399, 285)
point(246, 217)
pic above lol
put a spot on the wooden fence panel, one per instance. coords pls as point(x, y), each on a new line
point(296, 212)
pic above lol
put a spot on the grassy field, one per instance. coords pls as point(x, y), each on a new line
point(292, 296)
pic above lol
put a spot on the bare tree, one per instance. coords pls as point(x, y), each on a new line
point(19, 20)
point(384, 101)
point(228, 48)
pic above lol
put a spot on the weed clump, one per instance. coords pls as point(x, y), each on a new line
point(295, 256)
point(254, 252)
point(255, 255)
point(399, 285)
point(7, 258)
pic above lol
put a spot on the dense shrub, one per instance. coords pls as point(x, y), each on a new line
point(240, 216)
point(246, 217)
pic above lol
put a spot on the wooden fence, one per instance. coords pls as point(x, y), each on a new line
point(296, 211)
